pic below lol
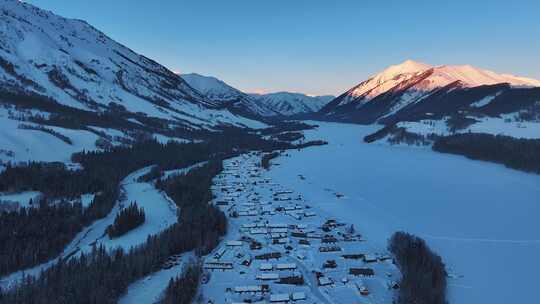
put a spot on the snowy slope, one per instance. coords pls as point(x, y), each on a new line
point(262, 105)
point(488, 125)
point(413, 91)
point(213, 88)
point(160, 213)
point(149, 290)
point(22, 199)
point(435, 77)
point(286, 103)
point(226, 96)
point(17, 144)
point(384, 81)
point(77, 65)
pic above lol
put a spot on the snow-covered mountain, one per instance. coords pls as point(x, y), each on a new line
point(413, 90)
point(430, 78)
point(65, 86)
point(78, 66)
point(228, 97)
point(213, 88)
point(286, 103)
point(255, 105)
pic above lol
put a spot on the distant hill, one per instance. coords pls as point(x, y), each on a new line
point(255, 105)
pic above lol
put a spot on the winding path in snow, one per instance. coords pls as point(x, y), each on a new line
point(160, 213)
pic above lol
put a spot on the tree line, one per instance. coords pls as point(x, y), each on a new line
point(516, 153)
point(103, 276)
point(182, 289)
point(423, 274)
point(25, 243)
point(101, 173)
point(34, 235)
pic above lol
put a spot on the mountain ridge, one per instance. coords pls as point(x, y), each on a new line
point(79, 66)
point(388, 96)
point(255, 105)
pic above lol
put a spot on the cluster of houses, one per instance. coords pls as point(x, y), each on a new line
point(279, 246)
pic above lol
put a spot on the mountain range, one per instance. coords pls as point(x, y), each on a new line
point(77, 66)
point(415, 91)
point(65, 86)
point(257, 106)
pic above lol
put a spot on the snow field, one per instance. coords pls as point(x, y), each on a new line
point(263, 198)
point(480, 217)
point(160, 213)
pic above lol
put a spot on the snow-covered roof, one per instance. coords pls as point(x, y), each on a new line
point(280, 297)
point(298, 296)
point(286, 266)
point(266, 266)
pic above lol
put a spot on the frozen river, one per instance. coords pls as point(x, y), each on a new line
point(482, 218)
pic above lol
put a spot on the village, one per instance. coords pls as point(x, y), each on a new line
point(281, 249)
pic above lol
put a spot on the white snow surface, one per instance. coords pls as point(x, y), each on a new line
point(485, 101)
point(86, 199)
point(271, 104)
point(79, 66)
point(480, 217)
point(160, 213)
point(18, 144)
point(226, 95)
point(22, 198)
point(212, 87)
point(254, 189)
point(287, 103)
point(183, 171)
point(149, 290)
point(430, 78)
point(489, 125)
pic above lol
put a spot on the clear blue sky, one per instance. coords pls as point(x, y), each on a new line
point(314, 46)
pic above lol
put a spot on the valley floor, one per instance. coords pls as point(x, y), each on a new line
point(482, 218)
point(298, 239)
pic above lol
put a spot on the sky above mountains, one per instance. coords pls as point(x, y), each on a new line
point(313, 46)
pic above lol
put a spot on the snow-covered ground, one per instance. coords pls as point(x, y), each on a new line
point(174, 172)
point(22, 198)
point(86, 199)
point(31, 145)
point(150, 289)
point(489, 125)
point(160, 213)
point(78, 65)
point(276, 216)
point(482, 218)
point(165, 139)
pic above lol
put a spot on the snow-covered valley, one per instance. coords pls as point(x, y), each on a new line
point(124, 180)
point(480, 217)
point(160, 211)
point(282, 247)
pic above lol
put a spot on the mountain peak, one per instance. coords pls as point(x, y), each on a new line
point(406, 67)
point(473, 76)
point(414, 64)
point(387, 79)
point(410, 82)
point(78, 66)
